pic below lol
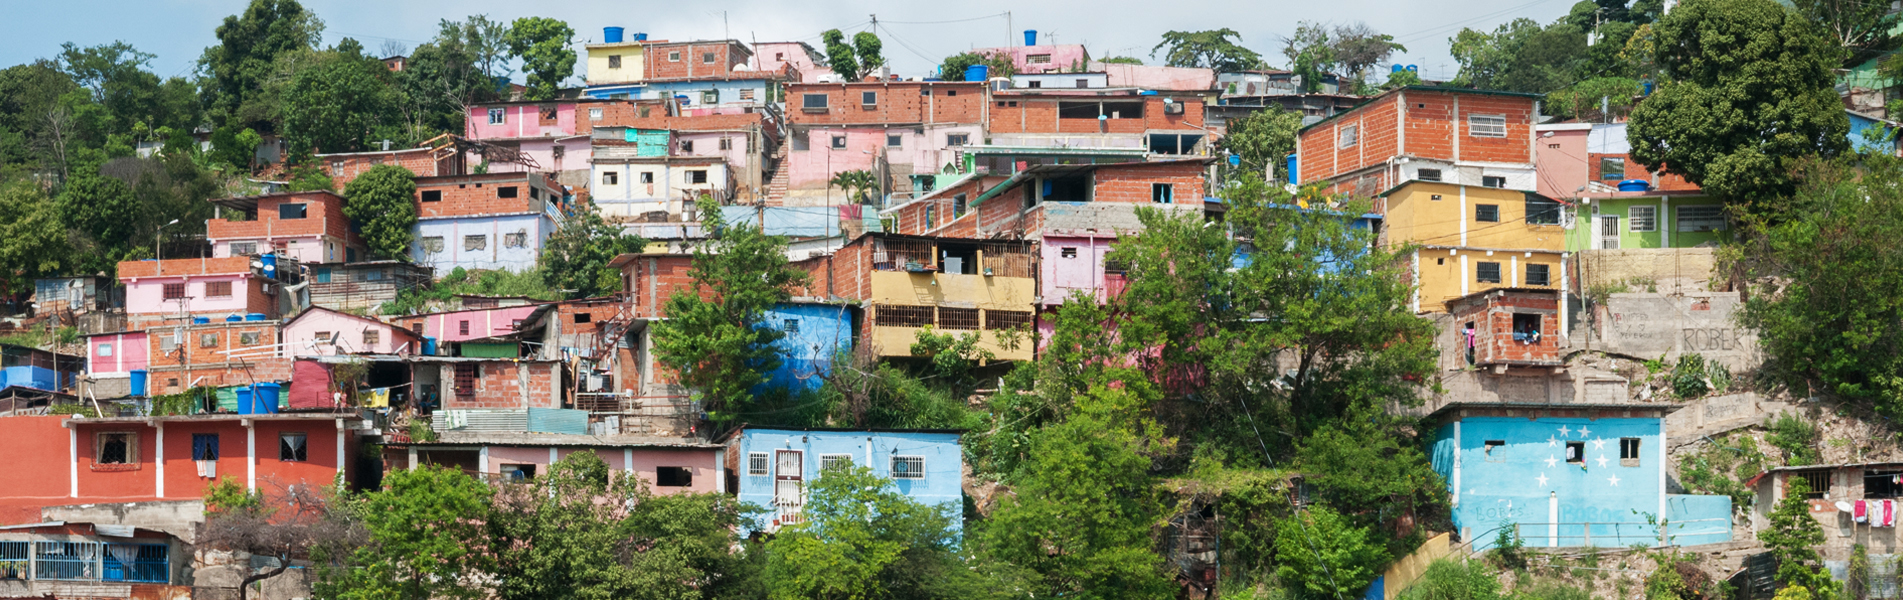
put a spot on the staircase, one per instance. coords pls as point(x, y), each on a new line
point(776, 188)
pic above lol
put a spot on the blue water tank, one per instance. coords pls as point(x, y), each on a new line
point(245, 405)
point(233, 318)
point(1646, 88)
point(1397, 68)
point(640, 37)
point(977, 73)
point(429, 346)
point(270, 262)
point(1291, 169)
point(611, 35)
point(267, 396)
point(1030, 37)
point(200, 320)
point(1635, 185)
point(138, 382)
point(255, 317)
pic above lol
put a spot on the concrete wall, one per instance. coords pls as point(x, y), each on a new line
point(448, 327)
point(822, 331)
point(1669, 270)
point(1444, 214)
point(495, 254)
point(520, 121)
point(1528, 480)
point(632, 68)
point(703, 464)
point(1653, 325)
point(941, 486)
point(1666, 231)
point(1073, 265)
point(1449, 273)
point(346, 335)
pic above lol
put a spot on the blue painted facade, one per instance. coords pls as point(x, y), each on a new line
point(1872, 135)
point(38, 369)
point(454, 233)
point(792, 458)
point(727, 92)
point(815, 333)
point(1506, 470)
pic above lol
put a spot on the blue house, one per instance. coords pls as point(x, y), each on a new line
point(1567, 475)
point(774, 465)
point(36, 369)
point(815, 334)
point(1872, 134)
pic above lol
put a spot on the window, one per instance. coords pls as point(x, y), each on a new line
point(610, 178)
point(168, 343)
point(174, 291)
point(1488, 272)
point(546, 112)
point(964, 319)
point(673, 477)
point(511, 472)
point(433, 196)
point(594, 114)
point(1427, 175)
point(116, 448)
point(614, 61)
point(1542, 211)
point(496, 116)
point(208, 340)
point(647, 177)
point(1538, 274)
point(466, 376)
point(475, 242)
point(931, 216)
point(244, 248)
point(674, 57)
point(515, 240)
point(462, 327)
point(1349, 136)
point(903, 316)
point(1487, 213)
point(1882, 484)
point(746, 93)
point(1490, 126)
point(1491, 444)
point(957, 139)
point(893, 140)
point(290, 211)
point(1067, 252)
point(1493, 181)
point(291, 447)
point(697, 176)
point(508, 191)
point(687, 145)
point(105, 349)
point(757, 463)
point(204, 446)
point(1162, 193)
point(1575, 453)
point(372, 337)
point(1007, 319)
point(726, 143)
point(814, 101)
point(707, 57)
point(869, 98)
point(433, 244)
point(839, 142)
point(958, 206)
point(218, 289)
point(1038, 59)
point(1083, 83)
point(1643, 218)
point(1035, 84)
point(323, 337)
point(1819, 481)
point(336, 168)
point(790, 326)
point(1526, 328)
point(248, 338)
point(908, 467)
point(1611, 169)
point(1699, 218)
point(1628, 452)
point(710, 97)
point(828, 462)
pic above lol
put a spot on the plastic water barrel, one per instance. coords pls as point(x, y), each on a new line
point(1397, 68)
point(138, 382)
point(1030, 37)
point(268, 396)
point(611, 35)
point(245, 405)
point(1635, 185)
point(429, 346)
point(640, 37)
point(255, 317)
point(201, 320)
point(977, 73)
point(233, 318)
point(270, 267)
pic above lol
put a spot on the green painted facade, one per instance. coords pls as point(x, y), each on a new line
point(1647, 222)
point(479, 350)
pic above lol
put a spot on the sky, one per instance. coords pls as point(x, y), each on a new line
point(916, 34)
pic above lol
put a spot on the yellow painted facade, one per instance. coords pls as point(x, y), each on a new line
point(632, 66)
point(1455, 245)
point(897, 341)
point(982, 292)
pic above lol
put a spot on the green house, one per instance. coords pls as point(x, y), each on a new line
point(1627, 220)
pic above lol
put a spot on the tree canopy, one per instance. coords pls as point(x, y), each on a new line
point(856, 60)
point(547, 59)
point(382, 202)
point(250, 46)
point(1219, 49)
point(577, 256)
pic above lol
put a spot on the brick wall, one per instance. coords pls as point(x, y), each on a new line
point(1133, 183)
point(846, 273)
point(506, 385)
point(471, 195)
point(1037, 113)
point(226, 336)
point(344, 167)
point(183, 266)
point(174, 378)
point(324, 215)
point(897, 102)
point(910, 217)
point(651, 280)
point(1428, 126)
point(1493, 321)
point(692, 63)
point(1661, 181)
point(599, 311)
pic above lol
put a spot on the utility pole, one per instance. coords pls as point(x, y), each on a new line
point(1008, 40)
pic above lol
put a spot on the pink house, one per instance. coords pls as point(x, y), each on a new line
point(909, 151)
point(1076, 264)
point(1560, 159)
point(666, 465)
point(115, 354)
point(196, 286)
point(307, 226)
point(465, 325)
point(1043, 58)
point(322, 331)
point(775, 57)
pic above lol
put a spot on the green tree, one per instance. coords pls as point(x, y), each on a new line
point(1264, 140)
point(862, 538)
point(1219, 49)
point(32, 240)
point(30, 112)
point(1521, 56)
point(451, 72)
point(382, 202)
point(1590, 99)
point(1793, 537)
point(425, 541)
point(855, 183)
point(717, 343)
point(247, 57)
point(1860, 30)
point(1346, 50)
point(1375, 478)
point(577, 256)
point(856, 60)
point(998, 65)
point(234, 148)
point(103, 211)
point(1121, 60)
point(342, 103)
point(543, 44)
point(1747, 90)
point(292, 524)
point(1324, 556)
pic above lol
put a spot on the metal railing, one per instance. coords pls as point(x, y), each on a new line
point(97, 561)
point(1620, 534)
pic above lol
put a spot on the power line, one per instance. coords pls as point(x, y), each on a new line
point(944, 22)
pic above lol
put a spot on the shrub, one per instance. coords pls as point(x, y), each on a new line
point(1796, 437)
point(1455, 580)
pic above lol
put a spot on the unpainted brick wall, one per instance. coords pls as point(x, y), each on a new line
point(727, 55)
point(172, 379)
point(897, 102)
point(472, 195)
point(1037, 113)
point(342, 168)
point(1433, 129)
point(1133, 183)
point(651, 280)
point(847, 273)
point(507, 385)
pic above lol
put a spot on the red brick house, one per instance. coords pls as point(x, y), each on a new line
point(908, 132)
point(1424, 133)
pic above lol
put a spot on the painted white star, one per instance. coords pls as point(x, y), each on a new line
point(1552, 441)
point(1541, 479)
point(1563, 431)
point(1614, 480)
point(1602, 460)
point(1551, 460)
point(1599, 444)
point(1583, 432)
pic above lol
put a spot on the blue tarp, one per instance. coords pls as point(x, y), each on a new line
point(793, 221)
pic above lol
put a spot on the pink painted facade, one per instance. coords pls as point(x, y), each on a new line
point(465, 325)
point(1043, 58)
point(925, 153)
point(552, 154)
point(702, 464)
point(211, 285)
point(772, 57)
point(1157, 78)
point(321, 331)
point(116, 354)
point(307, 226)
point(1076, 264)
point(1560, 159)
point(504, 121)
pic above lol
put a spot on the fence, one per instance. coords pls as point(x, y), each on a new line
point(86, 561)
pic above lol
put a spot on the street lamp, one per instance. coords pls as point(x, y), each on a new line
point(156, 238)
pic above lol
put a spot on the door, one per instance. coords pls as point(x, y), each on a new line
point(788, 485)
point(1609, 232)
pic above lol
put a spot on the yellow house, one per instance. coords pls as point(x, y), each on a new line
point(1471, 238)
point(616, 63)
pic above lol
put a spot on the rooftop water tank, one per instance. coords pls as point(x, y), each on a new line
point(254, 316)
point(977, 73)
point(200, 320)
point(1030, 37)
point(270, 262)
point(233, 317)
point(1635, 185)
point(640, 37)
point(1397, 68)
point(611, 35)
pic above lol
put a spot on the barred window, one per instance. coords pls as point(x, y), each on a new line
point(757, 463)
point(1538, 275)
point(1489, 272)
point(908, 467)
point(371, 337)
point(1643, 218)
point(1007, 319)
point(174, 291)
point(904, 316)
point(218, 289)
point(1493, 126)
point(1542, 211)
point(244, 248)
point(957, 318)
point(1699, 218)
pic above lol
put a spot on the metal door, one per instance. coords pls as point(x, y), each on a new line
point(1609, 232)
point(788, 484)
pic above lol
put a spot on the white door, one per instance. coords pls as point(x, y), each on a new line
point(1609, 232)
point(788, 488)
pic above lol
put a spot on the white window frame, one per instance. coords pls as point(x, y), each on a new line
point(1348, 136)
point(498, 116)
point(594, 114)
point(1699, 222)
point(1487, 126)
point(918, 473)
point(763, 467)
point(1646, 224)
point(825, 459)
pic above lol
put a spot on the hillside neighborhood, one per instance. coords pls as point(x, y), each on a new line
point(540, 309)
